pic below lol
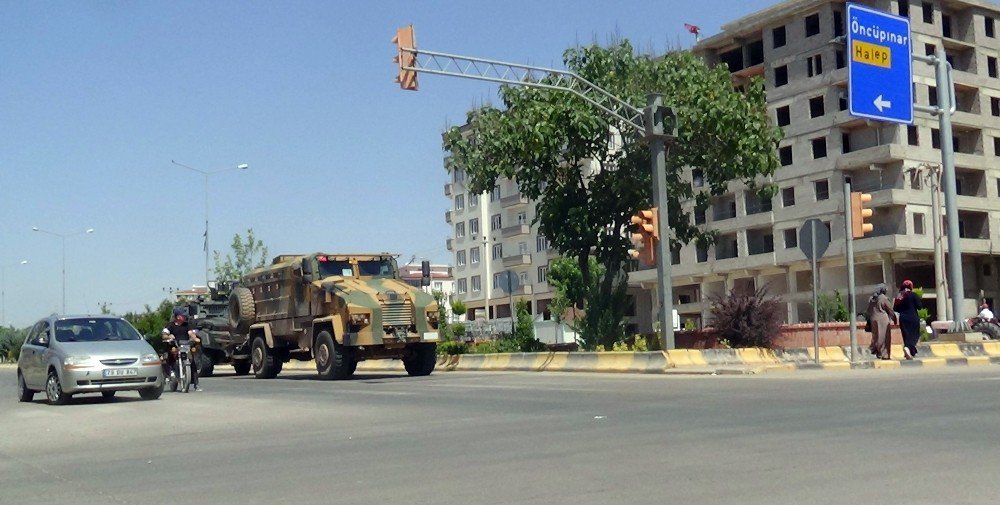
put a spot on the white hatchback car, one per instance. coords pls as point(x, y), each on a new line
point(67, 355)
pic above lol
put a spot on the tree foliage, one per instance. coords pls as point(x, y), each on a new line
point(587, 180)
point(11, 339)
point(747, 318)
point(151, 322)
point(246, 254)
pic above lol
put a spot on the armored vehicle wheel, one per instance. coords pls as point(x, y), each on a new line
point(265, 366)
point(241, 310)
point(206, 365)
point(421, 359)
point(333, 361)
point(241, 367)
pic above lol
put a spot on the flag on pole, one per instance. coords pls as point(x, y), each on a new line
point(206, 240)
point(693, 29)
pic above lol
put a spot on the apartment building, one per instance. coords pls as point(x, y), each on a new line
point(441, 281)
point(794, 47)
point(491, 234)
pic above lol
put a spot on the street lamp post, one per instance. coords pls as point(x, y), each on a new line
point(63, 237)
point(3, 294)
point(241, 166)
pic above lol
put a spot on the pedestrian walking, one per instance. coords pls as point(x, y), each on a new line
point(880, 315)
point(906, 304)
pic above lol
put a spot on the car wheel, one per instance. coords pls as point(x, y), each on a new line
point(54, 391)
point(108, 394)
point(265, 366)
point(333, 361)
point(151, 393)
point(206, 365)
point(23, 393)
point(421, 360)
point(241, 367)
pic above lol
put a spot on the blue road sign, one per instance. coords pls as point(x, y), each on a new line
point(880, 68)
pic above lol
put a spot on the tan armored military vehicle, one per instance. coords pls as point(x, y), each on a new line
point(338, 309)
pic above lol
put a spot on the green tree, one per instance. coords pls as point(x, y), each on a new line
point(151, 322)
point(831, 308)
point(444, 329)
point(247, 254)
point(458, 307)
point(10, 342)
point(555, 146)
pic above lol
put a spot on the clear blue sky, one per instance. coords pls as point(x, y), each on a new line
point(96, 99)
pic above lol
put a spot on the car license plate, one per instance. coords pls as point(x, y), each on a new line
point(121, 372)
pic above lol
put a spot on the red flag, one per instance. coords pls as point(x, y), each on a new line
point(692, 28)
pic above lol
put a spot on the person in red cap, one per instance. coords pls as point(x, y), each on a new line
point(906, 304)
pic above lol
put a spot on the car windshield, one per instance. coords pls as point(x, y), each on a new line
point(329, 267)
point(375, 268)
point(95, 330)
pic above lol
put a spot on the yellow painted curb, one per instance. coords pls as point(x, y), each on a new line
point(496, 361)
point(881, 363)
point(755, 356)
point(933, 362)
point(946, 350)
point(678, 358)
point(614, 361)
point(992, 348)
point(780, 367)
point(897, 350)
point(833, 365)
point(977, 360)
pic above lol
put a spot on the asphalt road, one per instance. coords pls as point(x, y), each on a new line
point(913, 436)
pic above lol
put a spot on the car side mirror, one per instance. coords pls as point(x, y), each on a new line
point(425, 271)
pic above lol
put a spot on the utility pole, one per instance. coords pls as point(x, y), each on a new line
point(648, 124)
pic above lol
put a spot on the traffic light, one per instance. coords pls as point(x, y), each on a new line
point(647, 237)
point(406, 57)
point(859, 213)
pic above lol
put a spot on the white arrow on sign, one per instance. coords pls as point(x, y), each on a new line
point(880, 103)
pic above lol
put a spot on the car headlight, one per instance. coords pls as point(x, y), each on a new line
point(360, 319)
point(77, 361)
point(150, 359)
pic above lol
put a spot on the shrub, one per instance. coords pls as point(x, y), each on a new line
point(452, 348)
point(458, 330)
point(747, 319)
point(832, 308)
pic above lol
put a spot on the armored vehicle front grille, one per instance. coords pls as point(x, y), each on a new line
point(396, 313)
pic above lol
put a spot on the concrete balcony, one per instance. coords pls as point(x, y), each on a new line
point(448, 188)
point(524, 289)
point(517, 260)
point(516, 230)
point(447, 216)
point(514, 200)
point(448, 244)
point(863, 158)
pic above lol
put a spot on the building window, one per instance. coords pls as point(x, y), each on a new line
point(845, 142)
point(819, 148)
point(699, 215)
point(990, 27)
point(935, 138)
point(474, 227)
point(918, 224)
point(495, 222)
point(497, 277)
point(522, 248)
point(460, 258)
point(928, 12)
point(991, 67)
point(780, 76)
point(462, 286)
point(697, 178)
point(473, 200)
point(912, 135)
point(495, 193)
point(523, 276)
point(842, 101)
point(812, 25)
point(543, 274)
point(841, 63)
point(838, 23)
point(477, 284)
point(675, 255)
point(996, 146)
point(438, 285)
point(816, 107)
point(497, 251)
point(822, 189)
point(791, 238)
point(701, 251)
point(995, 106)
point(785, 154)
point(459, 202)
point(946, 26)
point(474, 255)
point(783, 116)
point(932, 96)
point(459, 230)
point(788, 197)
point(903, 8)
point(929, 49)
point(814, 65)
point(778, 36)
point(459, 175)
point(522, 218)
point(541, 243)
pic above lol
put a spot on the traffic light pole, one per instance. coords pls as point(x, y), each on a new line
point(658, 157)
point(648, 124)
point(849, 240)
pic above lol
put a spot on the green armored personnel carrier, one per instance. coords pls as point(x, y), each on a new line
point(337, 309)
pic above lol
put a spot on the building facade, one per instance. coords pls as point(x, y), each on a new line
point(796, 48)
point(441, 281)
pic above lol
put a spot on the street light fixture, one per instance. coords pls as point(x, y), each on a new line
point(3, 294)
point(63, 237)
point(241, 166)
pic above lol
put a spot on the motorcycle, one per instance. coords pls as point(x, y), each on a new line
point(988, 327)
point(177, 366)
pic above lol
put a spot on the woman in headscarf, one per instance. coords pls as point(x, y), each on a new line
point(906, 304)
point(880, 315)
